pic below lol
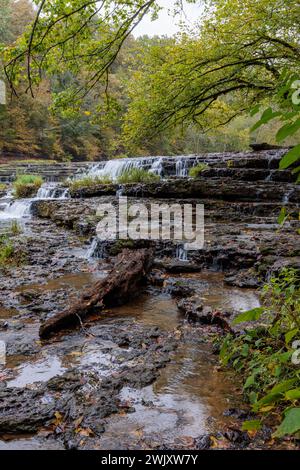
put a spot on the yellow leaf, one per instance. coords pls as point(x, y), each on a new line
point(265, 409)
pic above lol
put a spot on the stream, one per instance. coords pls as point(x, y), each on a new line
point(143, 375)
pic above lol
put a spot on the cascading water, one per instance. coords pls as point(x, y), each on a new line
point(171, 166)
point(96, 250)
point(52, 191)
point(181, 253)
point(16, 210)
point(182, 167)
point(286, 197)
point(20, 208)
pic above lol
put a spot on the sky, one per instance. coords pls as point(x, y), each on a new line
point(166, 24)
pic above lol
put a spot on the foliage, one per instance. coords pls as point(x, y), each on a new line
point(137, 175)
point(109, 83)
point(196, 170)
point(263, 354)
point(288, 112)
point(210, 78)
point(15, 228)
point(3, 186)
point(6, 250)
point(88, 182)
point(27, 185)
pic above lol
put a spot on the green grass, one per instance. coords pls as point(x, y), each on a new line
point(88, 182)
point(3, 186)
point(196, 171)
point(6, 250)
point(27, 185)
point(137, 175)
point(15, 228)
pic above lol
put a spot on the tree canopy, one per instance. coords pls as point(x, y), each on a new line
point(154, 91)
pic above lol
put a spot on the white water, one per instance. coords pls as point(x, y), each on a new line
point(177, 166)
point(52, 191)
point(181, 253)
point(96, 250)
point(18, 209)
point(286, 197)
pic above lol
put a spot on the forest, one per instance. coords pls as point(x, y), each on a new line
point(105, 124)
point(149, 228)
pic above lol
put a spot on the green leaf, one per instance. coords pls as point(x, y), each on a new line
point(290, 424)
point(288, 130)
point(267, 116)
point(255, 110)
point(267, 400)
point(283, 386)
point(293, 394)
point(291, 157)
point(250, 381)
point(282, 216)
point(251, 425)
point(296, 170)
point(290, 335)
point(250, 315)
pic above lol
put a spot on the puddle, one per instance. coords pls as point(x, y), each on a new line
point(76, 281)
point(210, 287)
point(40, 371)
point(151, 309)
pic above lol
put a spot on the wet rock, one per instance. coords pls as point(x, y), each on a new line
point(237, 437)
point(203, 442)
point(22, 411)
point(196, 312)
point(244, 279)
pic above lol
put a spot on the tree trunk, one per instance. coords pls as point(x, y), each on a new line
point(121, 284)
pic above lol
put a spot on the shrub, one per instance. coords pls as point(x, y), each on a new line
point(88, 182)
point(263, 355)
point(27, 185)
point(196, 171)
point(15, 228)
point(137, 175)
point(3, 187)
point(6, 250)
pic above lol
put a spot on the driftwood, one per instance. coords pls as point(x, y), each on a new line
point(121, 284)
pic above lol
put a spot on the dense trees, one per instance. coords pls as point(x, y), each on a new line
point(112, 94)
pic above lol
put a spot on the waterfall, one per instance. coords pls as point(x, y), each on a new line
point(286, 197)
point(52, 191)
point(164, 165)
point(20, 208)
point(96, 250)
point(182, 167)
point(181, 253)
point(16, 209)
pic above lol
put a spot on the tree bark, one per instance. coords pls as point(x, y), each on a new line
point(121, 284)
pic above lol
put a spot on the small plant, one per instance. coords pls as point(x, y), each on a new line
point(15, 228)
point(263, 355)
point(88, 182)
point(196, 170)
point(3, 187)
point(6, 250)
point(137, 175)
point(27, 185)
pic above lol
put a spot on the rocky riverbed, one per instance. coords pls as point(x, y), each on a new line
point(142, 375)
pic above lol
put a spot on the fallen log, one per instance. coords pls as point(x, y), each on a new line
point(121, 284)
